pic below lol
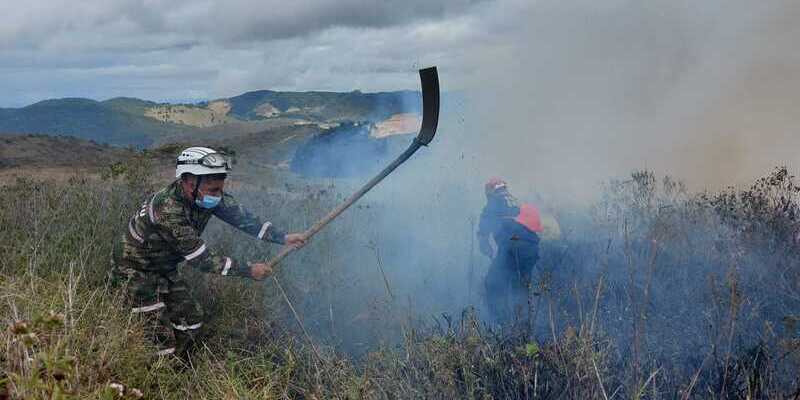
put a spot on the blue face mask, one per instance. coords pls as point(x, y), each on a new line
point(208, 201)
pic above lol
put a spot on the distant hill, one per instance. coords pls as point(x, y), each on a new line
point(86, 119)
point(130, 105)
point(348, 149)
point(56, 151)
point(324, 106)
point(125, 121)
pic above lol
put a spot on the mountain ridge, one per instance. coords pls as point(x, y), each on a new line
point(139, 123)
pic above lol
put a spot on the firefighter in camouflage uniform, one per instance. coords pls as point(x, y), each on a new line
point(514, 229)
point(166, 231)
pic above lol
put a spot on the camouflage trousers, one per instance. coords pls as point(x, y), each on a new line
point(172, 316)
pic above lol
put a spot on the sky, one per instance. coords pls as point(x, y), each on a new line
point(196, 50)
point(705, 91)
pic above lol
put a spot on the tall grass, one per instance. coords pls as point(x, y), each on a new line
point(653, 293)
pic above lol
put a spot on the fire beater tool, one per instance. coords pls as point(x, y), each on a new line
point(429, 79)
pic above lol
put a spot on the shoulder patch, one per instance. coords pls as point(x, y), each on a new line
point(166, 206)
point(161, 204)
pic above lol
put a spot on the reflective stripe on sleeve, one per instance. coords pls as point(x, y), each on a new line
point(165, 352)
point(133, 233)
point(195, 253)
point(187, 327)
point(149, 308)
point(264, 229)
point(150, 212)
point(228, 264)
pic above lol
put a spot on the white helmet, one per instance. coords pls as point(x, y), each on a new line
point(202, 161)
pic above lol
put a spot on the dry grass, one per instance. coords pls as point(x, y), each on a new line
point(669, 295)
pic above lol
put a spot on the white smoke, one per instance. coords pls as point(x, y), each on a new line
point(589, 90)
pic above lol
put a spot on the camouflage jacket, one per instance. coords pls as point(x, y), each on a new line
point(166, 231)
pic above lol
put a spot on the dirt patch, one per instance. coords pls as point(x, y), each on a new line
point(397, 124)
point(191, 115)
point(220, 107)
point(267, 110)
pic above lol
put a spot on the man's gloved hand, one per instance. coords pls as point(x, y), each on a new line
point(296, 240)
point(259, 271)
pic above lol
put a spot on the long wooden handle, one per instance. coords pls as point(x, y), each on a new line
point(415, 145)
point(429, 78)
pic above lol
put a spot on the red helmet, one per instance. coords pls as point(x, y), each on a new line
point(494, 184)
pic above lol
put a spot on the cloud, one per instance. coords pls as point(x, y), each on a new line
point(46, 24)
point(580, 91)
point(697, 89)
point(325, 45)
point(258, 20)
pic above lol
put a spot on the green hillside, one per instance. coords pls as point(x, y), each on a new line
point(86, 119)
point(126, 121)
point(129, 105)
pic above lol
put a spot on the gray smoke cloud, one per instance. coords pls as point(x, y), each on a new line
point(587, 90)
point(559, 98)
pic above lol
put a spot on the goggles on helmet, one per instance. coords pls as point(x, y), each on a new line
point(212, 160)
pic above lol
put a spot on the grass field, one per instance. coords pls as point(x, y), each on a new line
point(652, 293)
